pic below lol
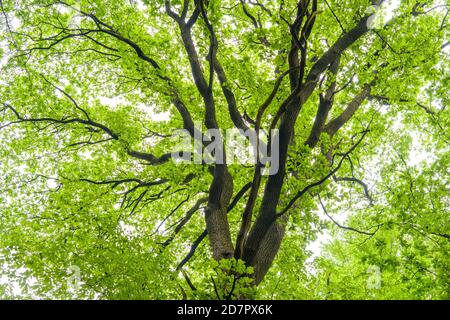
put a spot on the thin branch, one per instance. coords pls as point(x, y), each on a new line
point(358, 181)
point(194, 247)
point(185, 220)
point(335, 16)
point(443, 235)
point(322, 180)
point(68, 96)
point(188, 280)
point(233, 286)
point(114, 183)
point(62, 121)
point(342, 226)
point(215, 288)
point(171, 213)
point(248, 14)
point(238, 196)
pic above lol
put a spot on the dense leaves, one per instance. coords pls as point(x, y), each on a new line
point(92, 206)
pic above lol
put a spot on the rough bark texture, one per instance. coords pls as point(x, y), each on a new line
point(334, 125)
point(259, 243)
point(269, 247)
point(216, 219)
point(256, 253)
point(267, 215)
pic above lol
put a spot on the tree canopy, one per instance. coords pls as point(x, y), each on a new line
point(350, 96)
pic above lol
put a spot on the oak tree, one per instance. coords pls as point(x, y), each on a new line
point(93, 204)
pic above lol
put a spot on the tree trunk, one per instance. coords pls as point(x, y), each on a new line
point(216, 219)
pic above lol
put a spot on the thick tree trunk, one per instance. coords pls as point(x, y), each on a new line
point(267, 233)
point(258, 251)
point(268, 249)
point(216, 219)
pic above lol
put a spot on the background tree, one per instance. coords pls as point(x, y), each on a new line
point(91, 92)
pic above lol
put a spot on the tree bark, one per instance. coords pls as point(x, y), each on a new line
point(258, 252)
point(216, 219)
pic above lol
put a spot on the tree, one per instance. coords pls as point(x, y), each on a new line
point(355, 92)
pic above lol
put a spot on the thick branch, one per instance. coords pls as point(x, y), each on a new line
point(325, 104)
point(335, 124)
point(292, 107)
point(203, 235)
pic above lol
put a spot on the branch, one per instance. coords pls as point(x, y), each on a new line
point(171, 213)
point(313, 77)
point(67, 96)
point(434, 116)
point(335, 124)
point(238, 196)
point(358, 181)
point(185, 220)
point(322, 180)
point(194, 60)
point(335, 16)
point(233, 286)
point(150, 158)
point(299, 37)
point(337, 48)
point(443, 235)
point(270, 98)
point(171, 13)
point(188, 280)
point(235, 115)
point(248, 14)
point(187, 119)
point(341, 226)
point(203, 235)
point(61, 121)
point(210, 113)
point(233, 111)
point(139, 182)
point(325, 105)
point(114, 183)
point(215, 288)
point(110, 31)
point(194, 247)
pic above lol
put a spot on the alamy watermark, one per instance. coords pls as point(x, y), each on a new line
point(381, 13)
point(230, 146)
point(374, 277)
point(74, 278)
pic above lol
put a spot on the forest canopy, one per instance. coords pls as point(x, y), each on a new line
point(334, 187)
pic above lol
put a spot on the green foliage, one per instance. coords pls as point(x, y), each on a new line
point(227, 279)
point(74, 199)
